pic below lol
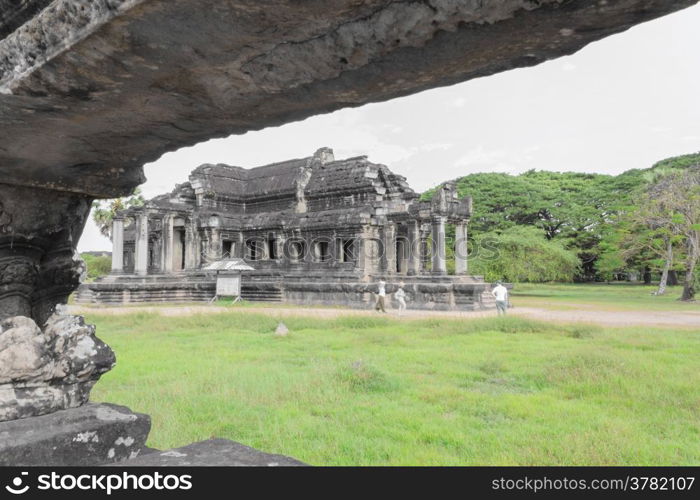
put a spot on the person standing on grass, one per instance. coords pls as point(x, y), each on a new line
point(400, 297)
point(381, 294)
point(501, 294)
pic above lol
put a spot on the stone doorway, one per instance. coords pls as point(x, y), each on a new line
point(178, 249)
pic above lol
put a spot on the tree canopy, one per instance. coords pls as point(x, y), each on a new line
point(103, 211)
point(587, 214)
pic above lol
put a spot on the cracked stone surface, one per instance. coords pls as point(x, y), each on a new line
point(90, 90)
point(90, 435)
point(211, 453)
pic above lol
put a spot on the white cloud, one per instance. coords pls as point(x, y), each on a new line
point(480, 157)
point(460, 102)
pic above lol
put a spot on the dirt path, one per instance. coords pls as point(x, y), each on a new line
point(683, 319)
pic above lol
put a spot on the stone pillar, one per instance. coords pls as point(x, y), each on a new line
point(240, 247)
point(389, 242)
point(168, 240)
point(461, 265)
point(426, 252)
point(281, 241)
point(117, 245)
point(438, 234)
point(336, 249)
point(141, 245)
point(367, 248)
point(39, 269)
point(191, 246)
point(414, 248)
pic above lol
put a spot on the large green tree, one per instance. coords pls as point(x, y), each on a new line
point(579, 211)
point(678, 195)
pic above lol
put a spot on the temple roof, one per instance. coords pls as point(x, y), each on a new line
point(239, 182)
point(316, 175)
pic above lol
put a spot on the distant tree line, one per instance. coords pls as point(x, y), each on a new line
point(568, 226)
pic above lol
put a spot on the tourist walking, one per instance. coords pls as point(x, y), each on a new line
point(400, 297)
point(501, 294)
point(381, 294)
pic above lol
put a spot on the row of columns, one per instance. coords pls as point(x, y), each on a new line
point(414, 261)
point(141, 245)
point(415, 235)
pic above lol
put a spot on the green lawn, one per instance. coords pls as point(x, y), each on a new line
point(376, 391)
point(609, 297)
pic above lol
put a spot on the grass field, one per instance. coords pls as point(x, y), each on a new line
point(376, 391)
point(606, 297)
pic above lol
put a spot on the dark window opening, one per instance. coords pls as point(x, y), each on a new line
point(399, 255)
point(347, 254)
point(252, 250)
point(322, 252)
point(228, 249)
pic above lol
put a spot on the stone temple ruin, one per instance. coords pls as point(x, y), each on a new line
point(316, 230)
point(91, 90)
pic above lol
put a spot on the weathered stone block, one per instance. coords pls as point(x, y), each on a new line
point(214, 452)
point(49, 370)
point(93, 434)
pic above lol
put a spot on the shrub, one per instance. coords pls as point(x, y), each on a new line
point(97, 265)
point(522, 254)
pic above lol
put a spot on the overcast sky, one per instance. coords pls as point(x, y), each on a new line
point(624, 102)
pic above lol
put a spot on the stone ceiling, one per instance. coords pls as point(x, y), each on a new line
point(90, 90)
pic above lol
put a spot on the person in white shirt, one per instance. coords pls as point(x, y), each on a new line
point(400, 297)
point(381, 293)
point(501, 294)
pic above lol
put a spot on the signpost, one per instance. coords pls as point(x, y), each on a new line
point(228, 277)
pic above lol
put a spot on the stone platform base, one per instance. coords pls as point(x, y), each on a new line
point(92, 434)
point(214, 452)
point(126, 289)
point(439, 293)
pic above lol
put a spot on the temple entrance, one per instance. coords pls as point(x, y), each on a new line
point(178, 249)
point(400, 255)
point(229, 249)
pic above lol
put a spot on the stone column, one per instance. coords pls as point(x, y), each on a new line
point(117, 245)
point(240, 246)
point(39, 269)
point(426, 252)
point(168, 239)
point(414, 248)
point(141, 245)
point(367, 248)
point(461, 265)
point(281, 240)
point(389, 242)
point(191, 251)
point(336, 249)
point(438, 233)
